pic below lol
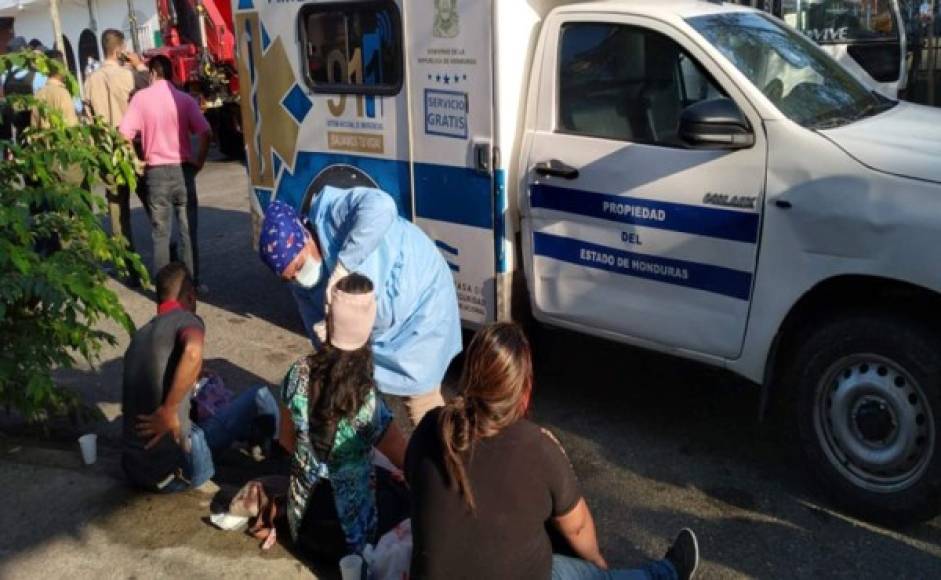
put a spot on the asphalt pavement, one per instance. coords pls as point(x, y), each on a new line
point(658, 444)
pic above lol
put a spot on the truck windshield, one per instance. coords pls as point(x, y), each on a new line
point(842, 21)
point(808, 86)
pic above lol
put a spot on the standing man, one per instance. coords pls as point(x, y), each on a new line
point(6, 33)
point(55, 94)
point(165, 118)
point(18, 80)
point(108, 91)
point(58, 98)
point(417, 330)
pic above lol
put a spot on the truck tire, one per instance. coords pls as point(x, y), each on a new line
point(868, 409)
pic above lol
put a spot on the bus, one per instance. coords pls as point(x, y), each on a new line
point(865, 36)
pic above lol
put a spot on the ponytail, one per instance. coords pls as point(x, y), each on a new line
point(457, 438)
point(495, 386)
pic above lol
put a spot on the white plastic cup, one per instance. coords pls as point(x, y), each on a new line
point(89, 446)
point(351, 567)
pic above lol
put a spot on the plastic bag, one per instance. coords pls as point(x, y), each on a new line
point(257, 504)
point(391, 559)
point(211, 396)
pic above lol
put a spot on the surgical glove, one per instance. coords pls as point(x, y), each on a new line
point(339, 273)
point(320, 330)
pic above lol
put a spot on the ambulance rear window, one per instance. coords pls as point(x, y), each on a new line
point(352, 47)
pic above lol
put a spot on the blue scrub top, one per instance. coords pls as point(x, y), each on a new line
point(418, 329)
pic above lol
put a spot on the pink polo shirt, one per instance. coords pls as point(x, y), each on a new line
point(165, 118)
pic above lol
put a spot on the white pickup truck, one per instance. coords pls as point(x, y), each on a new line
point(688, 176)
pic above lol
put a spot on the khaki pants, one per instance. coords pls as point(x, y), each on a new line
point(119, 209)
point(409, 411)
point(419, 405)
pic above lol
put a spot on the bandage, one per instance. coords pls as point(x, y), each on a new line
point(351, 319)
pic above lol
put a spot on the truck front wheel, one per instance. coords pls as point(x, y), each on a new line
point(869, 402)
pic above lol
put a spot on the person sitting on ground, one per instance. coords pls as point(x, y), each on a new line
point(483, 476)
point(331, 419)
point(162, 449)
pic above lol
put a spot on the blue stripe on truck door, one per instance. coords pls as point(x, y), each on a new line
point(739, 226)
point(706, 277)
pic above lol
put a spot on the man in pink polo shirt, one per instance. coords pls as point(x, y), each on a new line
point(165, 118)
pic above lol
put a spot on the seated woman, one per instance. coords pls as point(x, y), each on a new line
point(332, 418)
point(485, 483)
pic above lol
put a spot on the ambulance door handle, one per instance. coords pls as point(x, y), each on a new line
point(556, 168)
point(483, 158)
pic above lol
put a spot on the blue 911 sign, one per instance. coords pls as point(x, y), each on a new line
point(446, 113)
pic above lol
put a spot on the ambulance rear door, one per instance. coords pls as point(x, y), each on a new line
point(450, 80)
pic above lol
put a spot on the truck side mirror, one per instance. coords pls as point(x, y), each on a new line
point(715, 124)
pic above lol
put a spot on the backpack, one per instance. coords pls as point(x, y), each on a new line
point(14, 123)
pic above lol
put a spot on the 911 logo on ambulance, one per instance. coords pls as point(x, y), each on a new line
point(357, 128)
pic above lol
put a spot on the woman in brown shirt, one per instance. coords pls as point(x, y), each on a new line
point(486, 481)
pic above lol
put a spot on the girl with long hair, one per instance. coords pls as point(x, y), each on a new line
point(486, 482)
point(332, 419)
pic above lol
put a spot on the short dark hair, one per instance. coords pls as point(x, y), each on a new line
point(35, 44)
point(162, 66)
point(173, 281)
point(111, 41)
point(57, 66)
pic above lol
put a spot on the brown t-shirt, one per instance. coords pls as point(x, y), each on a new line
point(108, 90)
point(521, 478)
point(57, 97)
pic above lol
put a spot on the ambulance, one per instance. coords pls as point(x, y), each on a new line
point(692, 177)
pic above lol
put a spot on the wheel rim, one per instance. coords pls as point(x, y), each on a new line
point(874, 423)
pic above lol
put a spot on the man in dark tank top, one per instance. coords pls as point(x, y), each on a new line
point(163, 450)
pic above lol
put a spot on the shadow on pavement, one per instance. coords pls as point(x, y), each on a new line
point(238, 281)
point(67, 499)
point(680, 425)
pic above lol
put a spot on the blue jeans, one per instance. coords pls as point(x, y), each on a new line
point(565, 568)
point(214, 435)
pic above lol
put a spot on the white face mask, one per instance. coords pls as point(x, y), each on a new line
point(309, 274)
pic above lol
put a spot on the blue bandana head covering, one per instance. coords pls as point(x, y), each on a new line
point(283, 236)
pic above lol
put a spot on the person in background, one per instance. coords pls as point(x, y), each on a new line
point(162, 449)
point(55, 94)
point(6, 33)
point(108, 93)
point(417, 331)
point(57, 97)
point(165, 118)
point(332, 417)
point(18, 80)
point(483, 476)
point(91, 65)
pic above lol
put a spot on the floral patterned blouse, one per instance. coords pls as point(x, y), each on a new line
point(350, 469)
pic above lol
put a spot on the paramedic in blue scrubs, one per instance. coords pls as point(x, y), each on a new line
point(417, 331)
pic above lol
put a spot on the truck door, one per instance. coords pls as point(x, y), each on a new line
point(451, 90)
point(630, 233)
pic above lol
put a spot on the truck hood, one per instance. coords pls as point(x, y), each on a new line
point(905, 141)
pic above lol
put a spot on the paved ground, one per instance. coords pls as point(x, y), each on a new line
point(657, 443)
